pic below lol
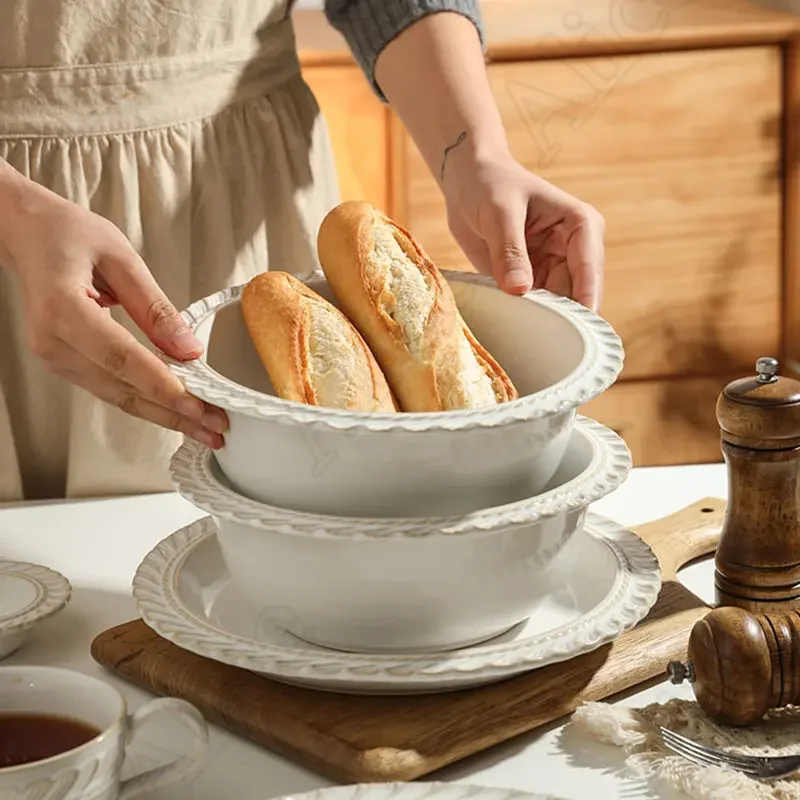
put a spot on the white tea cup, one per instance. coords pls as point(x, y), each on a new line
point(90, 771)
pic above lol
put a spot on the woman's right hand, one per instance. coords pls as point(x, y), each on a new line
point(72, 265)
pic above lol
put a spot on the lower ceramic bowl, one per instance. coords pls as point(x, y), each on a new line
point(409, 584)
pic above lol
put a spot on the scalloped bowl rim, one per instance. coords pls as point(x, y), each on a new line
point(608, 468)
point(599, 367)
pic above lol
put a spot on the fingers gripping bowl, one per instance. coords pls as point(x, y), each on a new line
point(320, 460)
point(405, 584)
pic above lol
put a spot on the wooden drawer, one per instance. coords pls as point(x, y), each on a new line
point(681, 154)
point(664, 422)
point(358, 124)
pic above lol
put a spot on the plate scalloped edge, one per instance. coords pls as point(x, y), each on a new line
point(634, 593)
point(54, 591)
point(416, 790)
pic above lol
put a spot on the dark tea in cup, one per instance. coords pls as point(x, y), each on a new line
point(66, 734)
point(25, 738)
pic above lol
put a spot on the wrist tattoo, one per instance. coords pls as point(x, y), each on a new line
point(456, 143)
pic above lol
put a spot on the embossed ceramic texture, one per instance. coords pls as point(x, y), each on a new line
point(29, 594)
point(558, 353)
point(91, 771)
point(598, 462)
point(603, 583)
point(417, 790)
point(403, 584)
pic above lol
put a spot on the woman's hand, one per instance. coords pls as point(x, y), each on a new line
point(73, 264)
point(523, 230)
point(510, 223)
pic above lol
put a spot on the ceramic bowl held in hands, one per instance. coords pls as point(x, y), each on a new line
point(409, 584)
point(326, 461)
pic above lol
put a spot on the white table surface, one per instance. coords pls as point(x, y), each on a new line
point(98, 544)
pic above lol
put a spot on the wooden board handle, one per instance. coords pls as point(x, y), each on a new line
point(683, 537)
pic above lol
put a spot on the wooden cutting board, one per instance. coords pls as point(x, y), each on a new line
point(358, 739)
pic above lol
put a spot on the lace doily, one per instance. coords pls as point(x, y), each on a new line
point(636, 732)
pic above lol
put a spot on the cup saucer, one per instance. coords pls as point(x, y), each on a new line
point(603, 583)
point(29, 593)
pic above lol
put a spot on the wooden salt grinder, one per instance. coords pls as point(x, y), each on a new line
point(741, 665)
point(758, 556)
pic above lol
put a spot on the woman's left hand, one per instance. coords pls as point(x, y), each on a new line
point(524, 231)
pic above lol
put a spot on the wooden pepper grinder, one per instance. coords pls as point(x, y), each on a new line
point(741, 665)
point(758, 556)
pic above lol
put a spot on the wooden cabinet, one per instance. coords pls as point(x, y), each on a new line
point(358, 125)
point(685, 141)
point(664, 422)
point(682, 158)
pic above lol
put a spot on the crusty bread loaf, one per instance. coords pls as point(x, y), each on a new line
point(405, 310)
point(311, 351)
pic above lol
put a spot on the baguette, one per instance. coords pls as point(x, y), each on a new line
point(311, 351)
point(405, 310)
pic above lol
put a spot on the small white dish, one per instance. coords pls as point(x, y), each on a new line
point(558, 354)
point(29, 594)
point(604, 582)
point(416, 790)
point(407, 584)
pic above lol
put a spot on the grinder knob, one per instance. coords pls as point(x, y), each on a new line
point(741, 664)
point(767, 370)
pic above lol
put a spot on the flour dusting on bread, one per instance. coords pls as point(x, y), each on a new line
point(333, 363)
point(408, 298)
point(311, 351)
point(468, 386)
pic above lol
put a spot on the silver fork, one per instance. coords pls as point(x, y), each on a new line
point(754, 766)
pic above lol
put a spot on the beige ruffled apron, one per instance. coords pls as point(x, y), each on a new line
point(187, 124)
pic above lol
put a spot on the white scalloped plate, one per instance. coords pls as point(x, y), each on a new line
point(603, 583)
point(29, 594)
point(416, 791)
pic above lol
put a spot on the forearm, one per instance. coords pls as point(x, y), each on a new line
point(21, 200)
point(433, 74)
point(12, 193)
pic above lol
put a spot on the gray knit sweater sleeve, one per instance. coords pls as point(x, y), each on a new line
point(369, 25)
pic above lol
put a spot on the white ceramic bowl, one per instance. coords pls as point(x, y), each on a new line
point(558, 353)
point(383, 585)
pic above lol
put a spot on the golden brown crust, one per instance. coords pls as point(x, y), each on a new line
point(404, 308)
point(504, 389)
point(311, 351)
